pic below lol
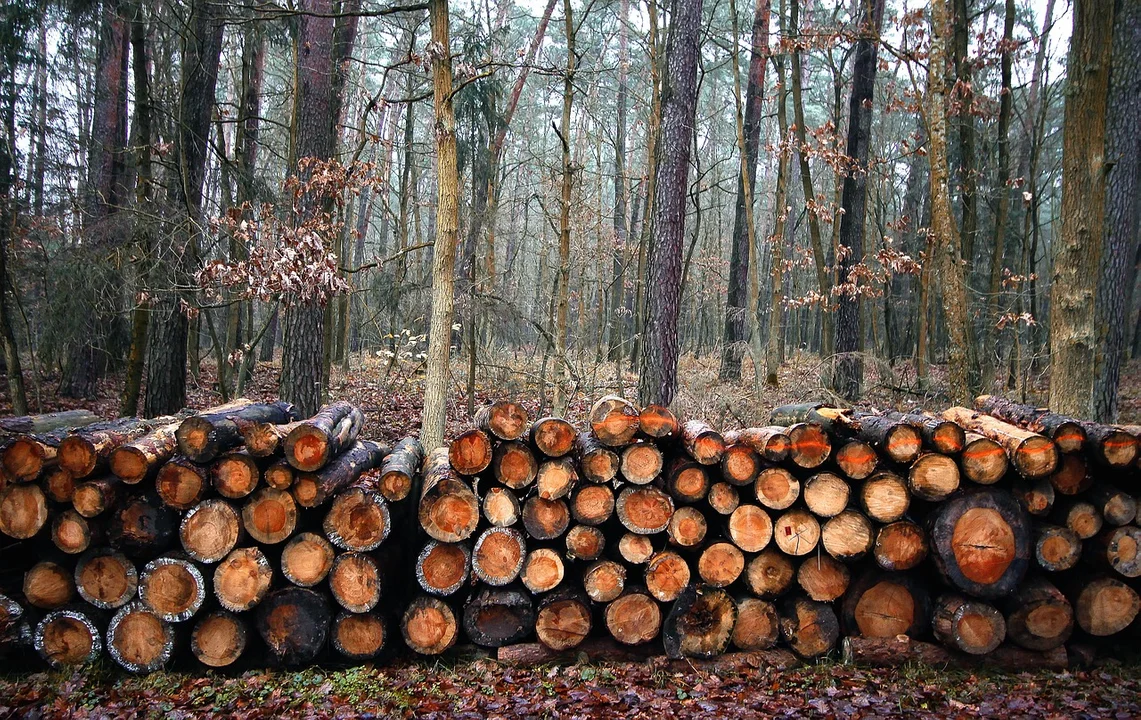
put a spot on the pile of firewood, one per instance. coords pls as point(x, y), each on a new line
point(1005, 532)
point(971, 528)
point(138, 536)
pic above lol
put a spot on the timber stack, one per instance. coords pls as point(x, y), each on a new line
point(1000, 533)
point(240, 533)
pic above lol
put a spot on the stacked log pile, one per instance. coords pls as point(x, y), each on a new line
point(999, 534)
point(237, 532)
point(1003, 533)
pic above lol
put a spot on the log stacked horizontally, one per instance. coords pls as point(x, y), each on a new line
point(243, 534)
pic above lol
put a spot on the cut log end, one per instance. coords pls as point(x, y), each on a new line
point(219, 639)
point(106, 579)
point(777, 488)
point(826, 494)
point(585, 542)
point(884, 497)
point(505, 419)
point(355, 582)
point(498, 556)
point(723, 498)
point(810, 628)
point(901, 545)
point(359, 636)
point(933, 477)
point(750, 528)
point(543, 570)
point(307, 559)
point(721, 564)
point(139, 640)
point(545, 519)
point(1106, 606)
point(796, 532)
point(294, 624)
point(67, 638)
point(983, 460)
point(809, 445)
point(429, 626)
point(967, 625)
point(633, 619)
point(700, 623)
point(172, 588)
point(635, 549)
point(242, 580)
point(563, 623)
point(770, 574)
point(48, 585)
point(667, 574)
point(358, 520)
point(614, 421)
point(592, 504)
point(554, 437)
point(442, 568)
point(270, 516)
point(604, 580)
point(23, 511)
point(514, 465)
point(644, 510)
point(501, 507)
point(210, 530)
point(687, 528)
point(470, 453)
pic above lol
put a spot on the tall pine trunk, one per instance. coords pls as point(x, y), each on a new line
point(657, 382)
point(562, 282)
point(616, 296)
point(854, 201)
point(8, 95)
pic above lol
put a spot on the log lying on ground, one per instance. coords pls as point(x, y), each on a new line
point(316, 441)
point(505, 419)
point(1067, 433)
point(449, 510)
point(294, 624)
point(399, 469)
point(359, 636)
point(614, 421)
point(563, 621)
point(204, 436)
point(898, 651)
point(313, 489)
point(1032, 454)
point(758, 625)
point(47, 422)
point(138, 459)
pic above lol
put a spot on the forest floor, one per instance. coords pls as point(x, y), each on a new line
point(486, 689)
point(392, 397)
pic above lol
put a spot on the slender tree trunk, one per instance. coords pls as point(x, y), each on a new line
point(447, 233)
point(810, 203)
point(947, 248)
point(773, 355)
point(8, 95)
point(140, 314)
point(657, 382)
point(741, 252)
point(1078, 249)
point(1122, 208)
point(963, 94)
point(563, 281)
point(617, 294)
point(849, 333)
point(654, 123)
point(41, 82)
point(990, 354)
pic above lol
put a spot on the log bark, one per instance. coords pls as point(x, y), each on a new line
point(429, 626)
point(470, 453)
point(355, 582)
point(359, 520)
point(667, 574)
point(966, 625)
point(400, 468)
point(307, 559)
point(700, 623)
point(810, 628)
point(448, 510)
point(1031, 454)
point(504, 419)
point(442, 568)
point(47, 422)
point(181, 483)
point(204, 436)
point(270, 516)
point(219, 639)
point(900, 651)
point(614, 421)
point(597, 462)
point(105, 578)
point(210, 530)
point(981, 543)
point(313, 489)
point(644, 510)
point(314, 443)
point(1111, 446)
point(886, 605)
point(68, 638)
point(1066, 432)
point(294, 624)
point(494, 617)
point(88, 449)
point(703, 443)
point(172, 588)
point(770, 574)
point(1038, 616)
point(942, 436)
point(241, 581)
point(554, 437)
point(359, 637)
point(141, 458)
point(563, 621)
point(901, 545)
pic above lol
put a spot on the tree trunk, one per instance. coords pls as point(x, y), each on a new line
point(562, 282)
point(849, 334)
point(736, 305)
point(8, 98)
point(447, 234)
point(1078, 250)
point(617, 295)
point(657, 381)
point(947, 243)
point(1122, 208)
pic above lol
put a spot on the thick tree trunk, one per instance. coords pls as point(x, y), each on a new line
point(1122, 208)
point(1078, 249)
point(853, 205)
point(657, 381)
